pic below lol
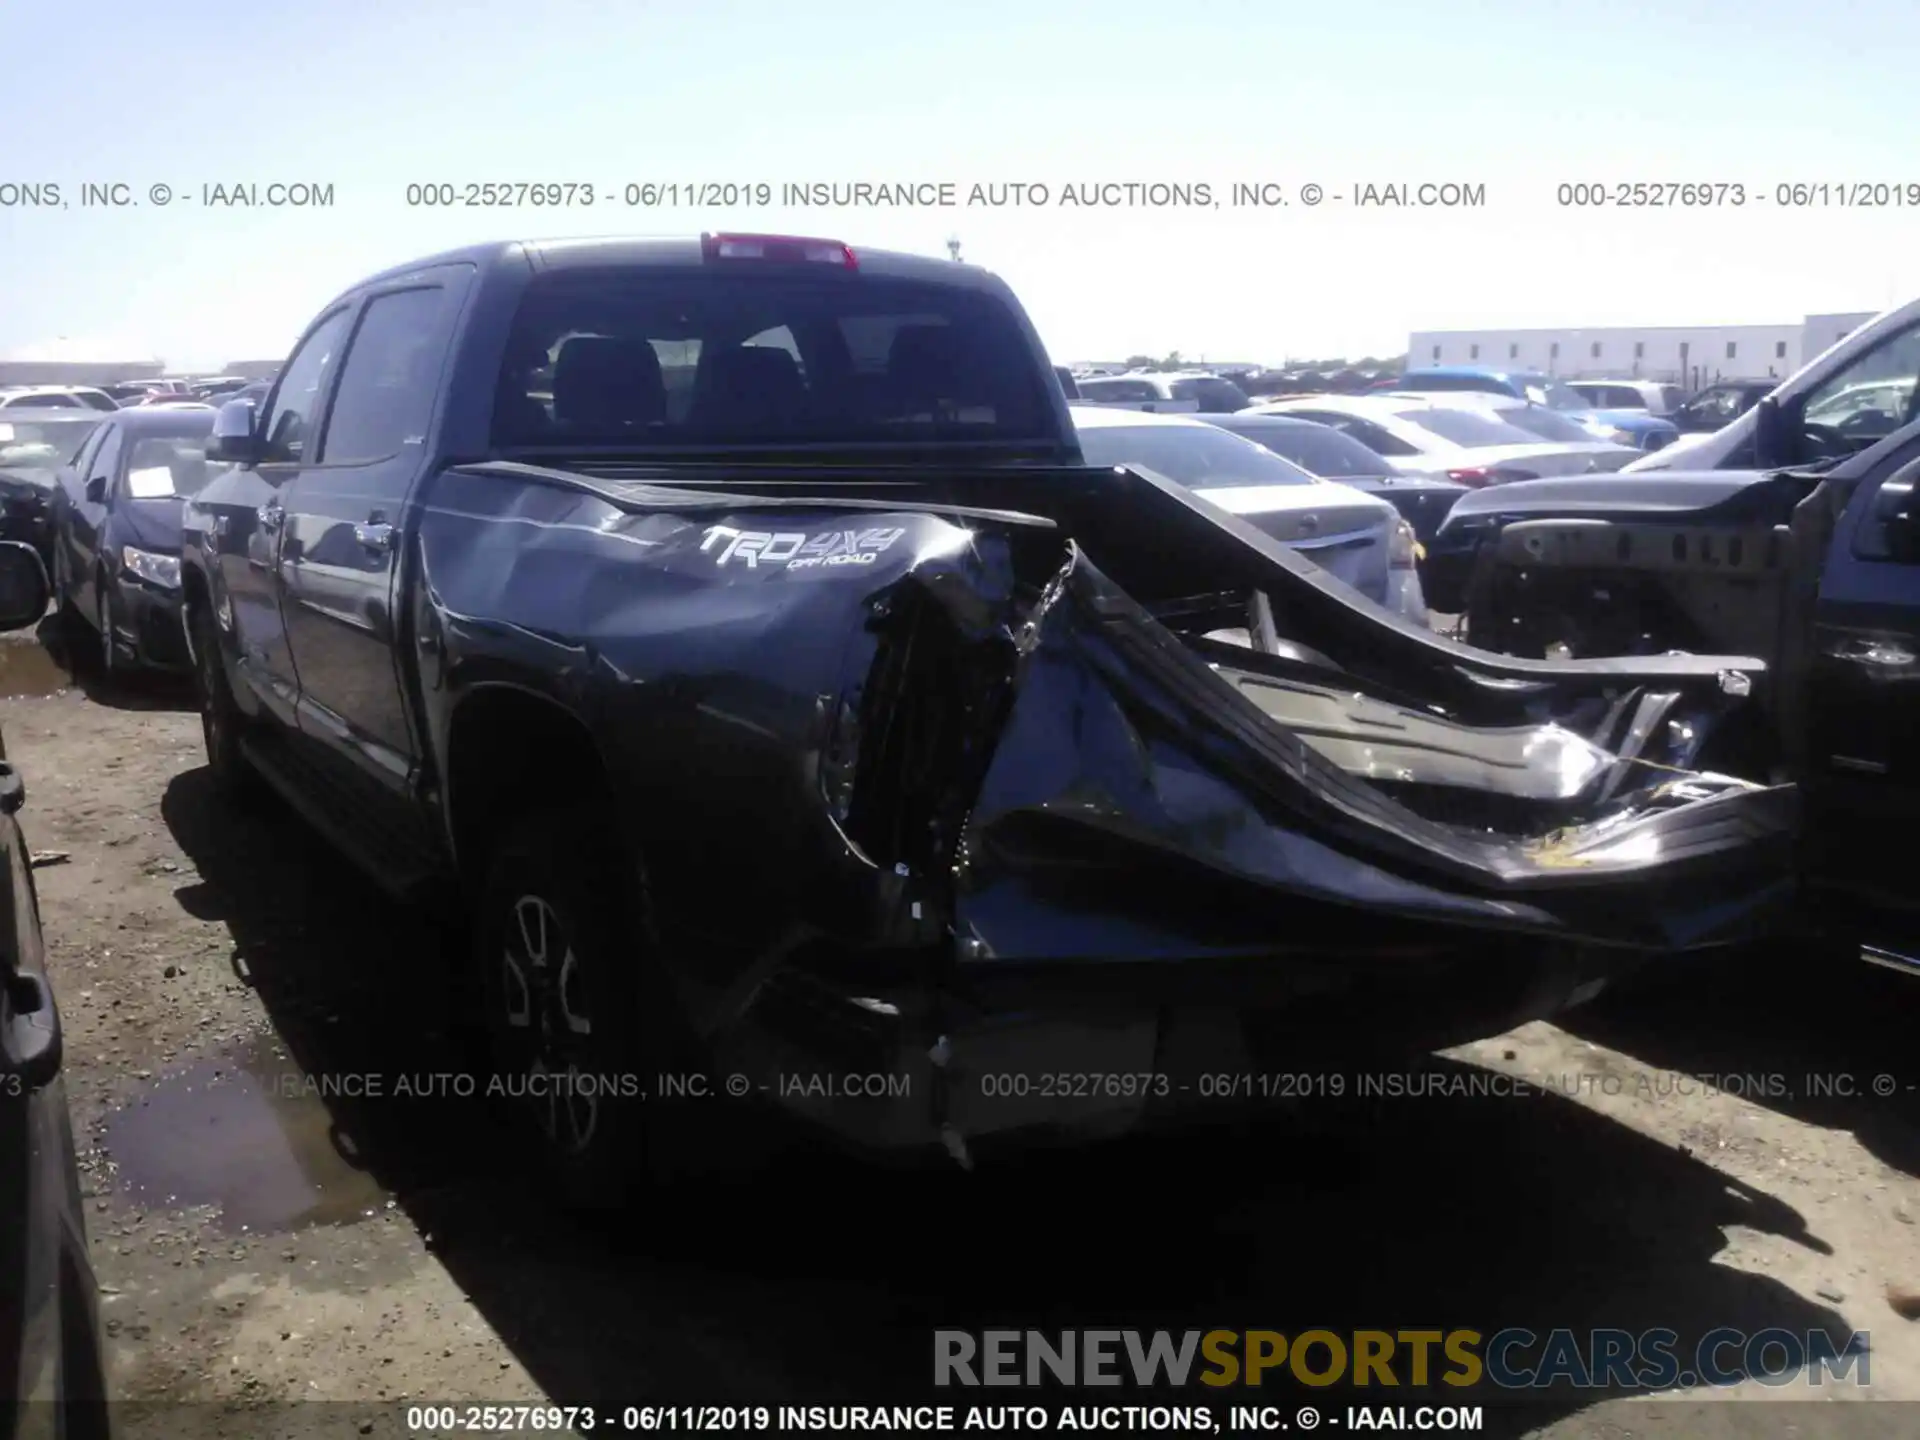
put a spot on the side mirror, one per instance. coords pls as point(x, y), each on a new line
point(234, 441)
point(97, 490)
point(24, 590)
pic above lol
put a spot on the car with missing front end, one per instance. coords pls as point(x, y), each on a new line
point(35, 445)
point(734, 635)
point(1814, 570)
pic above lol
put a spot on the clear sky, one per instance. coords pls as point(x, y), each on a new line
point(1519, 97)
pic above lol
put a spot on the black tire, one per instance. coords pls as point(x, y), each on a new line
point(74, 634)
point(222, 724)
point(569, 985)
point(111, 668)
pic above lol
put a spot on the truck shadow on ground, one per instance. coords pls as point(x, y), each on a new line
point(1804, 1030)
point(793, 1274)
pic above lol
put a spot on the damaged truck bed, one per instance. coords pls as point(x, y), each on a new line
point(1065, 772)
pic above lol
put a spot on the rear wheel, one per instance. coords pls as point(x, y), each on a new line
point(569, 988)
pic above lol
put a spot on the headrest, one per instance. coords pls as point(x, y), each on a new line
point(749, 385)
point(607, 383)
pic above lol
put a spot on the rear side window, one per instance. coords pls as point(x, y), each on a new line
point(1472, 383)
point(1464, 427)
point(694, 358)
point(1214, 396)
point(387, 380)
point(1539, 420)
point(1194, 455)
point(1127, 390)
point(296, 400)
point(1376, 438)
point(106, 460)
point(1319, 449)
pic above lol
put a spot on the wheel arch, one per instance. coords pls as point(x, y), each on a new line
point(512, 750)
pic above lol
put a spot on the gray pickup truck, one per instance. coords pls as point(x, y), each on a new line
point(729, 633)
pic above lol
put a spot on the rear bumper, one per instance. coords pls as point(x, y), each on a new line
point(1087, 1049)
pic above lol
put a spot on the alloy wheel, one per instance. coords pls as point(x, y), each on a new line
point(543, 1007)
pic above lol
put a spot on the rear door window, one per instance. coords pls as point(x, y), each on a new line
point(1465, 427)
point(651, 358)
point(1321, 449)
point(1375, 437)
point(388, 379)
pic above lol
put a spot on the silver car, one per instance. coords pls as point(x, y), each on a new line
point(1455, 435)
point(1351, 535)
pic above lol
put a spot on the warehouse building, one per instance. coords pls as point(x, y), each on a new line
point(69, 363)
point(1689, 355)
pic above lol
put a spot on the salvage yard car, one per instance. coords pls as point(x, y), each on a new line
point(1363, 541)
point(1422, 500)
point(1815, 571)
point(34, 444)
point(1632, 427)
point(116, 536)
point(1167, 392)
point(1654, 397)
point(1455, 439)
point(822, 711)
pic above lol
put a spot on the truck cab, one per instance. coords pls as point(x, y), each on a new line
point(1852, 395)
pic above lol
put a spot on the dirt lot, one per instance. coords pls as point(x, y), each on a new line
point(257, 1243)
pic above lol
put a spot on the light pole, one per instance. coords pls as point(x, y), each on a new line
point(953, 247)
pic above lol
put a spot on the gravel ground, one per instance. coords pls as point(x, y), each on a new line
point(257, 1243)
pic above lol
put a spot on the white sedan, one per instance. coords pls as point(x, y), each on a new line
point(1350, 534)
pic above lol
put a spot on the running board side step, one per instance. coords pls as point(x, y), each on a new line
point(1890, 959)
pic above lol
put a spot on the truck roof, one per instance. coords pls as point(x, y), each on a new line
point(612, 252)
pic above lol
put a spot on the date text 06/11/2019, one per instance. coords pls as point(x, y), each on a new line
point(440, 1420)
point(1738, 195)
point(944, 195)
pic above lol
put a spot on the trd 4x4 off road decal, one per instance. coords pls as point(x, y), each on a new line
point(794, 550)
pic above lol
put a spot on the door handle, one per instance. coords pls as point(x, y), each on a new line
point(271, 515)
point(375, 535)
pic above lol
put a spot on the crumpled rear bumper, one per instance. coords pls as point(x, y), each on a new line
point(958, 824)
point(1164, 904)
